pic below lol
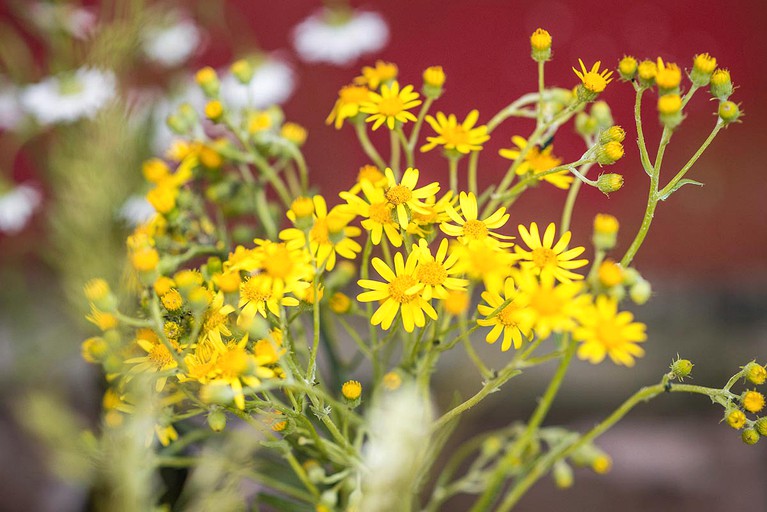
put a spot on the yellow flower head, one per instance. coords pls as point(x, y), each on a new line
point(351, 389)
point(646, 72)
point(752, 401)
point(540, 40)
point(405, 193)
point(537, 161)
point(606, 331)
point(610, 274)
point(627, 67)
point(391, 105)
point(736, 419)
point(469, 229)
point(509, 320)
point(400, 292)
point(347, 105)
point(434, 76)
point(457, 302)
point(436, 271)
point(463, 138)
point(594, 81)
point(377, 212)
point(546, 256)
point(381, 73)
point(668, 75)
point(551, 306)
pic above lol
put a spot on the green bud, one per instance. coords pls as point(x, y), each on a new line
point(613, 133)
point(243, 71)
point(761, 426)
point(729, 112)
point(601, 112)
point(755, 373)
point(750, 436)
point(721, 84)
point(217, 420)
point(640, 292)
point(563, 474)
point(610, 182)
point(681, 368)
point(585, 125)
point(609, 153)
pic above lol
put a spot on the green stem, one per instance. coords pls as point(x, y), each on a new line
point(572, 195)
point(394, 158)
point(418, 123)
point(262, 208)
point(522, 185)
point(473, 162)
point(409, 157)
point(671, 184)
point(539, 113)
point(361, 129)
point(644, 157)
point(453, 163)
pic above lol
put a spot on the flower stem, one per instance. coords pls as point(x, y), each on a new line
point(361, 129)
point(453, 162)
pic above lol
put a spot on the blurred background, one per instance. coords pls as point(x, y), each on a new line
point(706, 254)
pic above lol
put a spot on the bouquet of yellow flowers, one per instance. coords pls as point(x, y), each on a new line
point(297, 334)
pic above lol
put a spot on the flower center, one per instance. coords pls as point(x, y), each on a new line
point(455, 135)
point(475, 229)
point(609, 334)
point(319, 233)
point(399, 286)
point(391, 106)
point(432, 273)
point(544, 257)
point(233, 363)
point(380, 212)
point(213, 320)
point(594, 82)
point(399, 194)
point(279, 264)
point(160, 356)
point(546, 302)
point(254, 291)
point(506, 316)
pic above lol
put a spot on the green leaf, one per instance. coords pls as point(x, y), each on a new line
point(679, 185)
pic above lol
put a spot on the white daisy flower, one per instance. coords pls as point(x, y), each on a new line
point(339, 38)
point(16, 207)
point(172, 45)
point(272, 83)
point(67, 98)
point(136, 211)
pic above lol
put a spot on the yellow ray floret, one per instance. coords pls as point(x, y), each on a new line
point(391, 105)
point(463, 137)
point(546, 256)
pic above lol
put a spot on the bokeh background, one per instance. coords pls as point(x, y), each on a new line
point(706, 254)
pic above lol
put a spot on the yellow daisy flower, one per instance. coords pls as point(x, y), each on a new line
point(401, 292)
point(510, 320)
point(214, 323)
point(435, 271)
point(373, 76)
point(369, 173)
point(286, 269)
point(468, 229)
point(551, 306)
point(605, 331)
point(594, 81)
point(432, 212)
point(377, 211)
point(545, 256)
point(486, 263)
point(257, 296)
point(536, 162)
point(350, 97)
point(391, 105)
point(330, 235)
point(463, 137)
point(157, 359)
point(404, 193)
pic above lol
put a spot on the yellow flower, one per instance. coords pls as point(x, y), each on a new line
point(347, 105)
point(456, 303)
point(257, 295)
point(215, 321)
point(402, 291)
point(157, 359)
point(287, 269)
point(434, 76)
point(486, 263)
point(463, 137)
point(545, 256)
point(668, 76)
point(103, 320)
point(753, 401)
point(328, 236)
point(373, 76)
point(172, 300)
point(435, 271)
point(536, 162)
point(736, 419)
point(405, 193)
point(511, 321)
point(391, 105)
point(468, 229)
point(551, 307)
point(432, 212)
point(351, 389)
point(594, 81)
point(377, 211)
point(605, 331)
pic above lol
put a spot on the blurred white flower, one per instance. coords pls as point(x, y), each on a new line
point(79, 22)
point(10, 110)
point(16, 207)
point(399, 425)
point(69, 97)
point(272, 83)
point(339, 38)
point(171, 45)
point(136, 211)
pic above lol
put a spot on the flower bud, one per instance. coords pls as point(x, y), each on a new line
point(97, 291)
point(340, 303)
point(670, 110)
point(172, 301)
point(351, 390)
point(668, 77)
point(721, 84)
point(294, 133)
point(640, 292)
point(602, 114)
point(563, 474)
point(608, 154)
point(163, 285)
point(735, 418)
point(728, 112)
point(94, 349)
point(613, 133)
point(302, 207)
point(214, 110)
point(314, 471)
point(761, 426)
point(540, 44)
point(217, 420)
point(145, 259)
point(611, 182)
point(602, 464)
point(433, 82)
point(750, 436)
point(755, 373)
point(752, 401)
point(585, 125)
point(627, 68)
point(605, 231)
point(243, 71)
point(703, 66)
point(646, 72)
point(681, 368)
point(392, 380)
point(207, 79)
point(610, 274)
point(155, 170)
